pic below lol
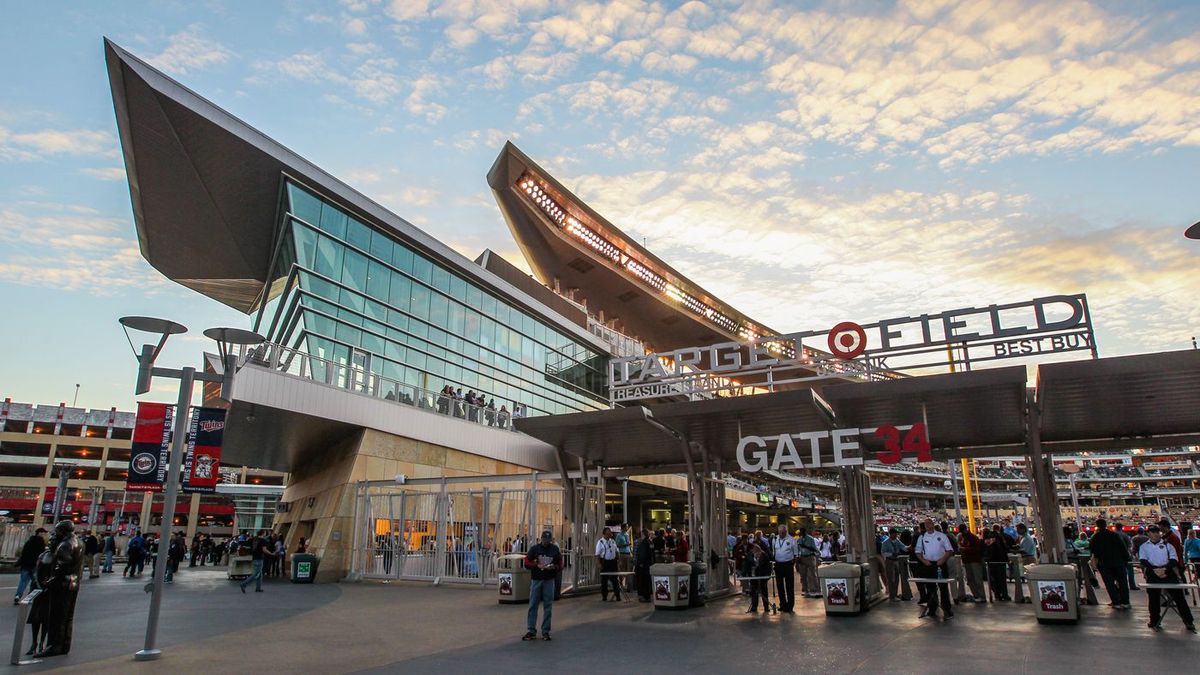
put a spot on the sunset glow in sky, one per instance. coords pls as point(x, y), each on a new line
point(808, 163)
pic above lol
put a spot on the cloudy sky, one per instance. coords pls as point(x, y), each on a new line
point(808, 162)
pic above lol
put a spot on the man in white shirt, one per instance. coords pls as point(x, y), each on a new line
point(933, 550)
point(606, 553)
point(1160, 562)
point(783, 550)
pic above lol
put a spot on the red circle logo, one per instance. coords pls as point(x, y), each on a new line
point(847, 340)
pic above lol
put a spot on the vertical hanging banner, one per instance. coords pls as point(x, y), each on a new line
point(201, 465)
point(151, 447)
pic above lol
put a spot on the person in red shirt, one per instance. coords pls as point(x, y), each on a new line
point(681, 548)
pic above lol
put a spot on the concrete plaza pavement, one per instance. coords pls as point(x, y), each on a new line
point(207, 625)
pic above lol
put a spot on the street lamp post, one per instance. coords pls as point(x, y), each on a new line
point(225, 338)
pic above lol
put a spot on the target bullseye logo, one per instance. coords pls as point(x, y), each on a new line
point(847, 340)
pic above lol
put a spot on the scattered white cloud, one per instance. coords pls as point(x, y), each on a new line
point(189, 51)
point(31, 145)
point(105, 173)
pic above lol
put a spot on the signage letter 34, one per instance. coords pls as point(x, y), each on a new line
point(916, 441)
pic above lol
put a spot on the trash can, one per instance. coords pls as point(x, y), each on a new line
point(671, 583)
point(304, 568)
point(698, 582)
point(841, 587)
point(513, 579)
point(1055, 593)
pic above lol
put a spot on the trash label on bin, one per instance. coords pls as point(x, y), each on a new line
point(662, 588)
point(303, 570)
point(835, 592)
point(506, 583)
point(1053, 596)
point(702, 585)
point(683, 588)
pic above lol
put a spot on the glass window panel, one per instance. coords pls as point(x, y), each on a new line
point(329, 258)
point(422, 269)
point(487, 333)
point(358, 235)
point(419, 302)
point(348, 334)
point(355, 271)
point(348, 316)
point(397, 320)
point(474, 296)
point(401, 290)
point(303, 204)
point(439, 310)
point(376, 310)
point(372, 343)
point(374, 326)
point(333, 220)
point(393, 350)
point(416, 359)
point(352, 300)
point(393, 372)
point(378, 280)
point(489, 305)
point(471, 325)
point(306, 245)
point(381, 246)
point(458, 288)
point(418, 328)
point(502, 314)
point(458, 319)
point(402, 257)
point(441, 279)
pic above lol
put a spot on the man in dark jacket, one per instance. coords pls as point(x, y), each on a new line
point(27, 562)
point(1112, 559)
point(91, 554)
point(543, 562)
point(757, 565)
point(643, 557)
point(995, 555)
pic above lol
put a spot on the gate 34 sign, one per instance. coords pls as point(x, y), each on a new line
point(760, 453)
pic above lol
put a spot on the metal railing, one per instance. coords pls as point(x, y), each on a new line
point(359, 379)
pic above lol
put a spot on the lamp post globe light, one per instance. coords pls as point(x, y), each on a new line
point(226, 339)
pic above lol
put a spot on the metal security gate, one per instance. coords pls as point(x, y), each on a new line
point(433, 533)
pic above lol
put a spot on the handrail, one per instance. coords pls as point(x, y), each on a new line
point(358, 379)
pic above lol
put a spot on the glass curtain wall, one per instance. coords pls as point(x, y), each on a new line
point(347, 292)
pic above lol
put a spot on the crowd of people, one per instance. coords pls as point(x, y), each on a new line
point(477, 407)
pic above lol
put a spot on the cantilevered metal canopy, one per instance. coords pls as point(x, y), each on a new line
point(977, 412)
point(1147, 400)
point(642, 436)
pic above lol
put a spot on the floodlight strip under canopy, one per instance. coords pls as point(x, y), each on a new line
point(538, 193)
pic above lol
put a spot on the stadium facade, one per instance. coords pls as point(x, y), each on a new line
point(369, 319)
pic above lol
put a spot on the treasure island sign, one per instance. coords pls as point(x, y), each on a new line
point(960, 338)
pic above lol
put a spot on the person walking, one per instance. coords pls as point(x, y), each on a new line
point(176, 551)
point(971, 549)
point(28, 560)
point(1160, 563)
point(933, 551)
point(606, 553)
point(624, 550)
point(891, 549)
point(995, 556)
point(1127, 540)
point(258, 553)
point(1112, 560)
point(135, 553)
point(757, 564)
point(783, 552)
point(543, 560)
point(643, 558)
point(808, 556)
point(91, 554)
point(110, 549)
